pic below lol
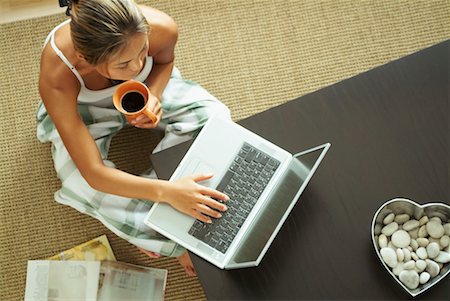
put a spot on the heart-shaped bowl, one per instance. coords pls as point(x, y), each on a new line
point(414, 210)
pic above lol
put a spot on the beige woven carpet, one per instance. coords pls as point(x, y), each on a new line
point(252, 55)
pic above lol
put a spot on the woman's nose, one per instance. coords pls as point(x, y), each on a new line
point(136, 65)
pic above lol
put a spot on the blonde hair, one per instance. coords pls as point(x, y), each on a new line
point(101, 28)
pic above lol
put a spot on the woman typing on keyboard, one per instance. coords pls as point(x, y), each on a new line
point(104, 43)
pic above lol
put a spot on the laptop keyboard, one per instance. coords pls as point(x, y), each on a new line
point(244, 183)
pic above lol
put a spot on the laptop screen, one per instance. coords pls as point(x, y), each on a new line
point(278, 203)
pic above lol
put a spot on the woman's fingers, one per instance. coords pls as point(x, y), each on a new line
point(213, 203)
point(208, 211)
point(196, 214)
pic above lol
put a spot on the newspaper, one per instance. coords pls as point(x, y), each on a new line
point(90, 272)
point(95, 249)
point(93, 281)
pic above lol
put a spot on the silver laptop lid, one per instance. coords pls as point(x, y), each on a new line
point(277, 208)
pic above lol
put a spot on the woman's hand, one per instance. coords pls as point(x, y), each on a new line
point(143, 121)
point(189, 197)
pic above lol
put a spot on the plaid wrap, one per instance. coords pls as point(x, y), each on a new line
point(186, 107)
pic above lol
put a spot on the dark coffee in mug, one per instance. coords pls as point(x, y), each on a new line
point(133, 101)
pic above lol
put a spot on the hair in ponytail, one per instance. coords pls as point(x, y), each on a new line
point(101, 28)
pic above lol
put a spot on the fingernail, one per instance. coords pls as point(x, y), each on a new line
point(219, 215)
point(209, 221)
point(225, 208)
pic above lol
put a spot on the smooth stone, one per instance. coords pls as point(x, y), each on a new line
point(437, 219)
point(432, 267)
point(414, 245)
point(377, 229)
point(423, 242)
point(423, 231)
point(421, 265)
point(447, 229)
point(398, 268)
point(389, 218)
point(401, 239)
point(401, 218)
point(423, 220)
point(400, 255)
point(409, 265)
point(443, 257)
point(388, 230)
point(389, 257)
point(410, 279)
point(444, 241)
point(409, 225)
point(414, 233)
point(382, 241)
point(422, 253)
point(435, 229)
point(414, 256)
point(424, 277)
point(431, 239)
point(407, 254)
point(433, 250)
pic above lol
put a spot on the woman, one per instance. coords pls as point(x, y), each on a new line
point(84, 58)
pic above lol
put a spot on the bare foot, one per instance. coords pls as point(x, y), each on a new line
point(187, 264)
point(149, 253)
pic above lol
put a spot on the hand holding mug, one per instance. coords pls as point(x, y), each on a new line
point(143, 121)
point(140, 107)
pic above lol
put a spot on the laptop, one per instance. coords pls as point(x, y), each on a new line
point(262, 180)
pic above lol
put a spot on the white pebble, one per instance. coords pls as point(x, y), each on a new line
point(432, 268)
point(444, 241)
point(401, 239)
point(414, 245)
point(447, 229)
point(423, 231)
point(377, 229)
point(443, 257)
point(421, 265)
point(409, 265)
point(409, 225)
point(437, 219)
point(410, 279)
point(422, 253)
point(400, 255)
point(398, 268)
point(414, 233)
point(433, 250)
point(435, 229)
point(407, 254)
point(401, 218)
point(388, 230)
point(388, 219)
point(424, 277)
point(389, 257)
point(423, 220)
point(431, 239)
point(382, 241)
point(414, 256)
point(423, 242)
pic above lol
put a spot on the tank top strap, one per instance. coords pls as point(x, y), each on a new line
point(58, 52)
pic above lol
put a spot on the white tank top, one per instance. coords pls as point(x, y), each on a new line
point(100, 98)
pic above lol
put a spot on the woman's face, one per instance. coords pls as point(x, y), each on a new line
point(128, 62)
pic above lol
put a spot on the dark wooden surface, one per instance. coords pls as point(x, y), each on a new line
point(389, 129)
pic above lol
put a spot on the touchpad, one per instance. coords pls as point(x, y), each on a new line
point(204, 168)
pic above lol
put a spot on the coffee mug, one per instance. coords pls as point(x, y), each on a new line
point(131, 99)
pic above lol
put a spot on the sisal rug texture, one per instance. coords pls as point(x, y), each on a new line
point(253, 55)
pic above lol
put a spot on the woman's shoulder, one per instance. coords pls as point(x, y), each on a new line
point(157, 18)
point(52, 67)
point(163, 32)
